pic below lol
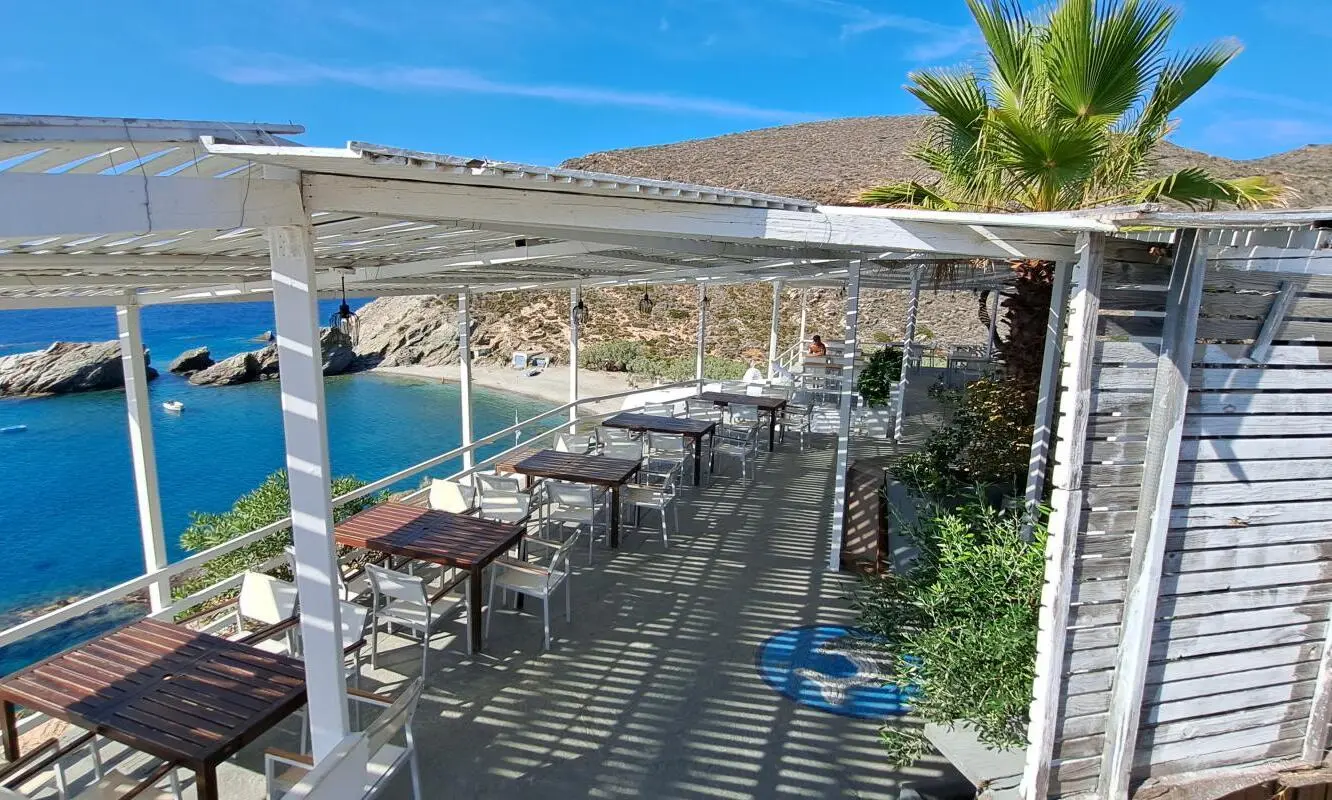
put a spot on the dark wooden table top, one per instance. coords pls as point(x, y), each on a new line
point(657, 424)
point(165, 690)
point(428, 535)
point(577, 468)
point(762, 401)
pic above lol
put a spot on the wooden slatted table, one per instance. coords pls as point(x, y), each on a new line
point(186, 697)
point(610, 473)
point(772, 406)
point(440, 537)
point(692, 429)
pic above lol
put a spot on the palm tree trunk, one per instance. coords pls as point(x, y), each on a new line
point(1027, 312)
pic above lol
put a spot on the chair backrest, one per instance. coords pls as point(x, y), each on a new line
point(608, 435)
point(732, 387)
point(659, 409)
point(340, 775)
point(632, 451)
point(754, 389)
point(569, 494)
point(266, 599)
point(665, 442)
point(395, 719)
point(396, 585)
point(490, 482)
point(568, 443)
point(451, 496)
point(353, 618)
point(505, 506)
point(778, 391)
point(740, 413)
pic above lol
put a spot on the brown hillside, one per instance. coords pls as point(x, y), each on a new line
point(832, 161)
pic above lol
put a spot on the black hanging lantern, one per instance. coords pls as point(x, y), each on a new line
point(581, 315)
point(645, 304)
point(343, 319)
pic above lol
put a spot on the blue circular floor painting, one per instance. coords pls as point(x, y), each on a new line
point(831, 668)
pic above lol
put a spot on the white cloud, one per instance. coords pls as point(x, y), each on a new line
point(933, 40)
point(1248, 96)
point(251, 69)
point(1279, 133)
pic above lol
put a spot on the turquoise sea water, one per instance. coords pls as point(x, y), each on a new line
point(67, 511)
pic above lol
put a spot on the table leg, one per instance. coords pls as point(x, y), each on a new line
point(698, 460)
point(615, 517)
point(474, 607)
point(205, 783)
point(11, 733)
point(772, 429)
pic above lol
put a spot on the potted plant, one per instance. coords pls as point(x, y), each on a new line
point(876, 384)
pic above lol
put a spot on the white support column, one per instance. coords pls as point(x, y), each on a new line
point(775, 329)
point(1165, 431)
point(908, 345)
point(575, 295)
point(465, 376)
point(702, 333)
point(142, 451)
point(804, 326)
point(305, 424)
point(848, 389)
point(994, 323)
point(1038, 464)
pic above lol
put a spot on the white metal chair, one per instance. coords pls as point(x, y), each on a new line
point(534, 580)
point(406, 601)
point(511, 507)
point(386, 756)
point(492, 482)
point(666, 457)
point(796, 417)
point(738, 414)
point(608, 435)
point(627, 450)
point(703, 409)
point(740, 444)
point(19, 777)
point(658, 409)
point(578, 505)
point(351, 580)
point(659, 498)
point(263, 601)
point(571, 443)
point(353, 618)
point(452, 496)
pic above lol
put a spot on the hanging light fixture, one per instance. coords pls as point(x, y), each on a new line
point(343, 319)
point(645, 304)
point(581, 315)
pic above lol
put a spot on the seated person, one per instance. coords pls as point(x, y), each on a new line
point(817, 347)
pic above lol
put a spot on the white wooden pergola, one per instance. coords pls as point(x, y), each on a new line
point(126, 213)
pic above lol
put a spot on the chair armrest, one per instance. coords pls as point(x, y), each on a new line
point(542, 542)
point(25, 763)
point(353, 647)
point(369, 698)
point(448, 587)
point(520, 566)
point(288, 757)
point(270, 631)
point(207, 611)
point(148, 782)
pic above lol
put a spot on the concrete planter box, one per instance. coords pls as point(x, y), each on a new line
point(994, 773)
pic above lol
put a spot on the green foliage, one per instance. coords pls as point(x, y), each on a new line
point(264, 505)
point(1069, 114)
point(961, 623)
point(986, 443)
point(622, 355)
point(882, 370)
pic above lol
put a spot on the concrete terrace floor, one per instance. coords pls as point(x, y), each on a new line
point(652, 690)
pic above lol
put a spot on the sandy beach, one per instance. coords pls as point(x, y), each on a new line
point(551, 385)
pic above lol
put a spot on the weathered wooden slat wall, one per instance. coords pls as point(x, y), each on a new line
point(1241, 620)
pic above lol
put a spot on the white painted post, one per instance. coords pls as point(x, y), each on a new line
point(804, 325)
point(1147, 556)
point(850, 324)
point(908, 344)
point(994, 323)
point(305, 424)
point(1065, 515)
point(775, 328)
point(575, 294)
point(702, 333)
point(142, 452)
point(1037, 464)
point(465, 375)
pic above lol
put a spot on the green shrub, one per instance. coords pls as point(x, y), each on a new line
point(882, 370)
point(264, 505)
point(987, 442)
point(637, 358)
point(612, 356)
point(961, 623)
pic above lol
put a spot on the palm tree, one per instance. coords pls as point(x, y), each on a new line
point(1067, 115)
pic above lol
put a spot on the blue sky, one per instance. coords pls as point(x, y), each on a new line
point(543, 80)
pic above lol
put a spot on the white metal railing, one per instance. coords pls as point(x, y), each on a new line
point(121, 591)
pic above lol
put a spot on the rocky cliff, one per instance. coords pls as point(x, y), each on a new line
point(64, 367)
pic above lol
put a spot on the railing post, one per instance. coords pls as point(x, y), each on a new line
point(775, 328)
point(702, 333)
point(994, 323)
point(908, 345)
point(804, 325)
point(848, 388)
point(305, 426)
point(142, 451)
point(465, 375)
point(575, 295)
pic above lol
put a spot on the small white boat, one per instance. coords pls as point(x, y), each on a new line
point(14, 429)
point(174, 406)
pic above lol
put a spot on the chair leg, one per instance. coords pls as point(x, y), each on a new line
point(416, 775)
point(545, 618)
point(174, 780)
point(568, 614)
point(374, 642)
point(490, 604)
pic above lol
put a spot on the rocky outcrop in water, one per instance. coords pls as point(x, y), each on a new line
point(64, 367)
point(262, 364)
point(399, 331)
point(191, 361)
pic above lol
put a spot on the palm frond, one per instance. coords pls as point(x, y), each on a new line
point(1007, 35)
point(1197, 189)
point(956, 96)
point(1181, 78)
point(1101, 60)
point(910, 194)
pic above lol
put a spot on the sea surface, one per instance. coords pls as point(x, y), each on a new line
point(68, 519)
